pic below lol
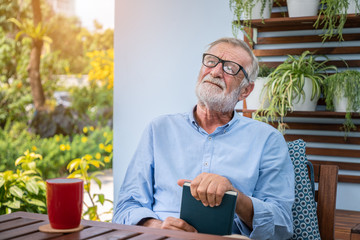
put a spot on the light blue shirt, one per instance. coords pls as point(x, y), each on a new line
point(251, 154)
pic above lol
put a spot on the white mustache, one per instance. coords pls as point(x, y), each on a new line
point(217, 81)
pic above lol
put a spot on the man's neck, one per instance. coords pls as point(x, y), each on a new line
point(210, 120)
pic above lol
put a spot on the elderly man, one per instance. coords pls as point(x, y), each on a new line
point(218, 150)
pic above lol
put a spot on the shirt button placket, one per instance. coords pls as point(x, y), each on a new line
point(207, 155)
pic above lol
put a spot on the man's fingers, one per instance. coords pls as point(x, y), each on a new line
point(177, 224)
point(181, 182)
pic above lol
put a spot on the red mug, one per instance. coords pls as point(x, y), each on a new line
point(64, 198)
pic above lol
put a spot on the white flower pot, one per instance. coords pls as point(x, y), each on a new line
point(302, 8)
point(256, 11)
point(257, 96)
point(306, 104)
point(340, 103)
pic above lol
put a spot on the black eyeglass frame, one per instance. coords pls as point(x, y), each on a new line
point(241, 68)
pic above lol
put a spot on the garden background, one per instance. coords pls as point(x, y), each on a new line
point(49, 128)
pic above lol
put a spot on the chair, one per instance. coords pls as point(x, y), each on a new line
point(313, 219)
point(327, 177)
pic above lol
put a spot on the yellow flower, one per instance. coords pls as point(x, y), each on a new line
point(88, 157)
point(84, 139)
point(91, 128)
point(85, 129)
point(105, 134)
point(62, 147)
point(108, 148)
point(97, 155)
point(68, 147)
point(101, 146)
point(106, 159)
point(57, 138)
point(34, 148)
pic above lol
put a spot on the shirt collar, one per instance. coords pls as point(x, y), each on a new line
point(227, 126)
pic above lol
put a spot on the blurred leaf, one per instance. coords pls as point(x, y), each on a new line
point(16, 191)
point(32, 187)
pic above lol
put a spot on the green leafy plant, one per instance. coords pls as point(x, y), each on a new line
point(78, 168)
point(264, 70)
point(24, 189)
point(243, 9)
point(332, 17)
point(344, 84)
point(286, 82)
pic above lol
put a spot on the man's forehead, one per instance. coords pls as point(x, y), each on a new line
point(229, 51)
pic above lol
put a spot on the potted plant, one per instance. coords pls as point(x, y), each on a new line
point(257, 96)
point(341, 92)
point(302, 8)
point(294, 85)
point(246, 10)
point(332, 16)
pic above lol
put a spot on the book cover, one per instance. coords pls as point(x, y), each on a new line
point(211, 220)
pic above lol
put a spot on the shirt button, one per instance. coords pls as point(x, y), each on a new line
point(205, 163)
point(209, 138)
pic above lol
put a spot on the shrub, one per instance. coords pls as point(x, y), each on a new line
point(24, 189)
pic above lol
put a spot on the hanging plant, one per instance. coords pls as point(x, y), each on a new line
point(243, 11)
point(344, 84)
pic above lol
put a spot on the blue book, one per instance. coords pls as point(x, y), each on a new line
point(211, 220)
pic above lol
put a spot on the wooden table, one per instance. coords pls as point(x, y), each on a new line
point(23, 225)
point(347, 225)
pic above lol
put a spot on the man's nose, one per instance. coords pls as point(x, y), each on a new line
point(217, 71)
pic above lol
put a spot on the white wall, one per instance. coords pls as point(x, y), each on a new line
point(158, 49)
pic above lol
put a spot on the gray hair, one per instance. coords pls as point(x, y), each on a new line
point(251, 70)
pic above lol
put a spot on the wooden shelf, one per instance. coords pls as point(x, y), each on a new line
point(311, 114)
point(297, 23)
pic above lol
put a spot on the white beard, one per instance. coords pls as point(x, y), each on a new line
point(215, 98)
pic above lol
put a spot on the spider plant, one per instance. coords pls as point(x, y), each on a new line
point(286, 86)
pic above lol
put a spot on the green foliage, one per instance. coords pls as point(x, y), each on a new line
point(57, 151)
point(286, 83)
point(344, 84)
point(94, 101)
point(242, 10)
point(264, 70)
point(78, 168)
point(24, 189)
point(332, 17)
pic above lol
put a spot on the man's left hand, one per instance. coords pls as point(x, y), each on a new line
point(209, 188)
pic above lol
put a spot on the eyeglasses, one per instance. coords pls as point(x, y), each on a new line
point(229, 67)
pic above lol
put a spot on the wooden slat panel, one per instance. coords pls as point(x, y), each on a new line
point(341, 165)
point(315, 126)
point(299, 51)
point(349, 179)
point(313, 114)
point(298, 23)
point(304, 39)
point(332, 152)
point(348, 63)
point(323, 139)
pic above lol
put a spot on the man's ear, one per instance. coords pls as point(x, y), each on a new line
point(246, 91)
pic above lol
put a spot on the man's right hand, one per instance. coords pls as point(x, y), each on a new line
point(170, 223)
